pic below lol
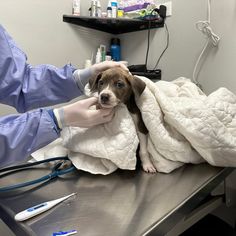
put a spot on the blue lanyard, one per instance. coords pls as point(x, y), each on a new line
point(56, 171)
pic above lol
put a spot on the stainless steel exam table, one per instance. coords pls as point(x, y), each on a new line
point(125, 203)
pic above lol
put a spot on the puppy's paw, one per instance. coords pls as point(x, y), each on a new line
point(149, 167)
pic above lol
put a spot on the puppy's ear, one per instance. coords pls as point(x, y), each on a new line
point(93, 82)
point(137, 85)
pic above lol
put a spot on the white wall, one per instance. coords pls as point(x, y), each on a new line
point(38, 28)
point(220, 65)
point(186, 42)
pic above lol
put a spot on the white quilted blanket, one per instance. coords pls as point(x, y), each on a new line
point(185, 126)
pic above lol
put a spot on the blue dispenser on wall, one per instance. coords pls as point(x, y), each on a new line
point(115, 49)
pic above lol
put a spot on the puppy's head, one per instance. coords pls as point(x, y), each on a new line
point(115, 86)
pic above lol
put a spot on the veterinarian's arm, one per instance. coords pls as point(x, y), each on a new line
point(25, 87)
point(20, 135)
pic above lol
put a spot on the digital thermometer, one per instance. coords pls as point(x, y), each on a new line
point(38, 209)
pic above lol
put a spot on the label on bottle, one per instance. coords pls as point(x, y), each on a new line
point(115, 52)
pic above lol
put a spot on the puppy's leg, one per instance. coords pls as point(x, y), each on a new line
point(143, 152)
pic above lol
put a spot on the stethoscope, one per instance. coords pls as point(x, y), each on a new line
point(58, 170)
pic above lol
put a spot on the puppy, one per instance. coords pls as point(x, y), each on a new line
point(115, 86)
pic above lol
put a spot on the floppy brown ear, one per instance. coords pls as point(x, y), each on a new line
point(137, 85)
point(93, 82)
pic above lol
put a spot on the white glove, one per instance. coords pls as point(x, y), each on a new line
point(82, 76)
point(100, 67)
point(80, 114)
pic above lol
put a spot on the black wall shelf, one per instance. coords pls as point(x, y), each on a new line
point(113, 25)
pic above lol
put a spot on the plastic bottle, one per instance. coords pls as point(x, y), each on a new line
point(103, 52)
point(109, 10)
point(120, 12)
point(114, 8)
point(89, 12)
point(115, 49)
point(98, 56)
point(76, 7)
point(99, 9)
point(94, 8)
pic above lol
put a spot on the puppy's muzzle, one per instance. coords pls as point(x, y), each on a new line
point(104, 98)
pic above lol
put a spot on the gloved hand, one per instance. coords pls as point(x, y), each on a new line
point(100, 67)
point(80, 114)
point(82, 76)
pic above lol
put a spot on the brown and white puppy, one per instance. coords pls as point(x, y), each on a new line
point(116, 86)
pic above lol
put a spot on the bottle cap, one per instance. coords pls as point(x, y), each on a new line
point(115, 41)
point(108, 58)
point(114, 4)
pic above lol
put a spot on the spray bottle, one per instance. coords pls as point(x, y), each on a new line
point(98, 56)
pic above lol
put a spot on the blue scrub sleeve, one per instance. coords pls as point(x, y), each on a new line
point(20, 135)
point(27, 87)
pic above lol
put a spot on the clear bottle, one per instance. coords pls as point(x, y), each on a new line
point(76, 7)
point(98, 56)
point(109, 12)
point(89, 12)
point(93, 8)
point(99, 9)
point(114, 8)
point(103, 52)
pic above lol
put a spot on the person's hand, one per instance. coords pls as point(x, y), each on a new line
point(80, 114)
point(100, 67)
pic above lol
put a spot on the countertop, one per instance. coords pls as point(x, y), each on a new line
point(125, 203)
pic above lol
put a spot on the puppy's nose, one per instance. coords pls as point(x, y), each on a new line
point(105, 97)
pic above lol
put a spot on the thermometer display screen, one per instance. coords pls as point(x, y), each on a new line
point(36, 207)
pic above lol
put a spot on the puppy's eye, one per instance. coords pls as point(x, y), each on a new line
point(119, 84)
point(100, 83)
